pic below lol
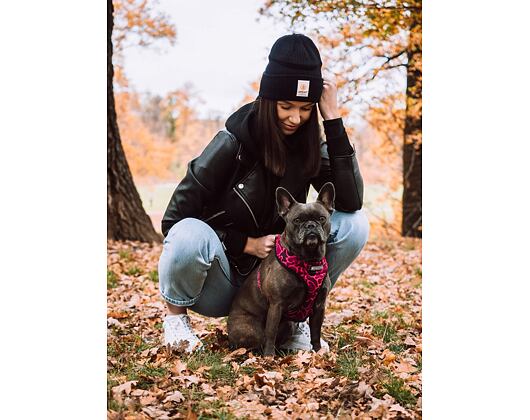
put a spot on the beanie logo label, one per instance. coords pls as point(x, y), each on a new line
point(303, 88)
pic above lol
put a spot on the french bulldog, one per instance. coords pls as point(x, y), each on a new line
point(273, 297)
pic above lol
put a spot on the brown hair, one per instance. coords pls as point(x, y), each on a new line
point(270, 139)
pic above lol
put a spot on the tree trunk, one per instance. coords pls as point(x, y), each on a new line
point(412, 222)
point(126, 217)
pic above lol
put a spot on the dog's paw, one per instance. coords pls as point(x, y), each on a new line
point(316, 346)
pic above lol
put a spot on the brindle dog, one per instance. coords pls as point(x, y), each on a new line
point(258, 318)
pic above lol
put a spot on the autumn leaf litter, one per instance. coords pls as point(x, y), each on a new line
point(373, 326)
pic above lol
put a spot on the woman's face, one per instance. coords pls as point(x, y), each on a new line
point(292, 114)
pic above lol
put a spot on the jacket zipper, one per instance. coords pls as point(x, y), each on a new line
point(213, 216)
point(248, 207)
point(249, 271)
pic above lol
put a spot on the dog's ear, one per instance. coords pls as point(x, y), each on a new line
point(284, 201)
point(326, 196)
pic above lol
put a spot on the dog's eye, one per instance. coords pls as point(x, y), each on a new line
point(297, 220)
point(322, 219)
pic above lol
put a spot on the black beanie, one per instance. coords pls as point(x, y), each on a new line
point(293, 72)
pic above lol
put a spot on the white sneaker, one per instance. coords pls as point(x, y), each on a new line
point(177, 328)
point(301, 339)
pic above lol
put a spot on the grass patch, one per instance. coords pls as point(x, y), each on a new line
point(112, 279)
point(126, 345)
point(153, 275)
point(144, 374)
point(125, 365)
point(348, 365)
point(218, 369)
point(346, 336)
point(114, 405)
point(133, 271)
point(397, 389)
point(125, 255)
point(205, 409)
point(220, 414)
point(248, 370)
point(385, 331)
point(381, 315)
point(396, 347)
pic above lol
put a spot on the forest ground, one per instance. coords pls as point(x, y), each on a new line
point(372, 324)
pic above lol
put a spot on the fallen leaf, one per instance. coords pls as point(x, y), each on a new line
point(148, 400)
point(388, 357)
point(409, 341)
point(267, 378)
point(134, 301)
point(364, 389)
point(179, 367)
point(188, 379)
point(302, 358)
point(175, 396)
point(399, 409)
point(239, 352)
point(117, 315)
point(155, 413)
point(225, 392)
point(405, 367)
point(139, 393)
point(207, 389)
point(125, 387)
point(114, 323)
point(249, 361)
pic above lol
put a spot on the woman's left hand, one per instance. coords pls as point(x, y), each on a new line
point(327, 105)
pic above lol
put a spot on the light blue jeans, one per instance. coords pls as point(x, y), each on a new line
point(194, 271)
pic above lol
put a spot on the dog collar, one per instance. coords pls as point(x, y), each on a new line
point(312, 273)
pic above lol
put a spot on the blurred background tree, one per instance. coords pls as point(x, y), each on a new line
point(371, 47)
point(135, 25)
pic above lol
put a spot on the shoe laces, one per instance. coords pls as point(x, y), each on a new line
point(303, 329)
point(176, 322)
point(187, 325)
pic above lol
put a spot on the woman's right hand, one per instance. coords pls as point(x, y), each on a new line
point(259, 247)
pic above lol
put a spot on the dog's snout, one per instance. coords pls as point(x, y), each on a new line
point(311, 225)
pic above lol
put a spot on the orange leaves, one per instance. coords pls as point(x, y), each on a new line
point(235, 353)
point(267, 379)
point(149, 155)
point(179, 367)
point(136, 22)
point(373, 369)
point(388, 357)
point(303, 358)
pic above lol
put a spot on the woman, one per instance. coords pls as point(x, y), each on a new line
point(222, 217)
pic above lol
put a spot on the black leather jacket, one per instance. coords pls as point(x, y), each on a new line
point(226, 187)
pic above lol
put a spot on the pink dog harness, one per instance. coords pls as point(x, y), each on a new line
point(312, 273)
